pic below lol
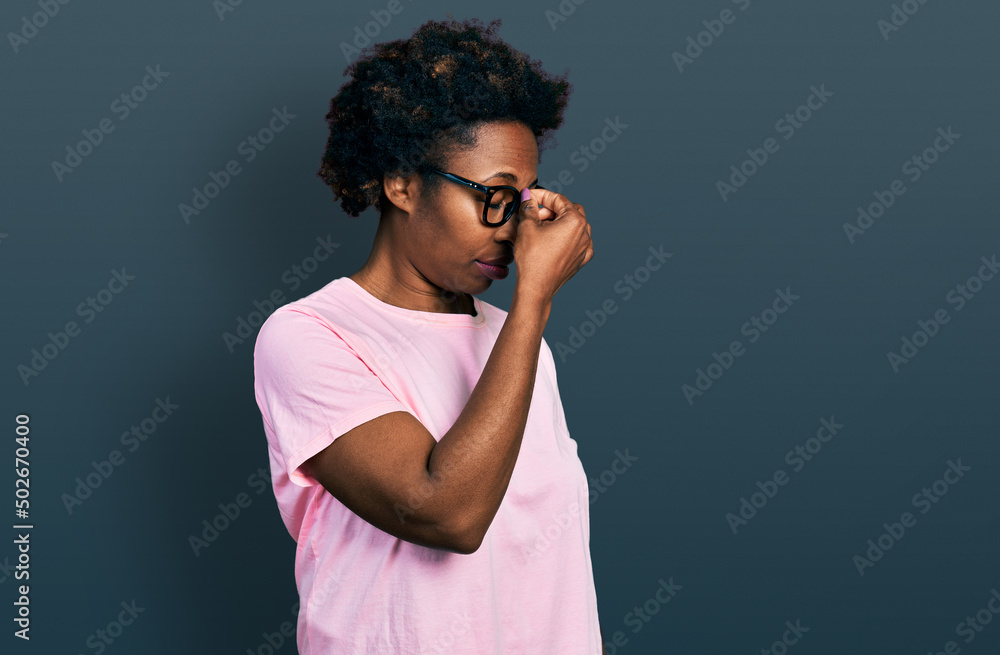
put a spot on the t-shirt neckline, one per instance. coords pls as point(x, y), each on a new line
point(438, 318)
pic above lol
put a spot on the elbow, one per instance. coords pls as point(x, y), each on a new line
point(464, 536)
point(455, 525)
point(467, 544)
point(453, 534)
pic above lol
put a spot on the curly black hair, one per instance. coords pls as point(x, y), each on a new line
point(409, 101)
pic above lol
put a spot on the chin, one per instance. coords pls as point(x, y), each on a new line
point(484, 284)
point(472, 287)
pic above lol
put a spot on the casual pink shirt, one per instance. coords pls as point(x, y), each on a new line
point(340, 357)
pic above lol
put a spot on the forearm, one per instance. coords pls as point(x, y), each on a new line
point(471, 466)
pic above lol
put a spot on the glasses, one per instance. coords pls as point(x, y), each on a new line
point(501, 201)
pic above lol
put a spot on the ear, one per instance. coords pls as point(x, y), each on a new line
point(401, 192)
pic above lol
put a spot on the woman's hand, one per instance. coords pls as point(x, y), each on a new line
point(552, 242)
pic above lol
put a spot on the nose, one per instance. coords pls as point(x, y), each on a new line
point(508, 231)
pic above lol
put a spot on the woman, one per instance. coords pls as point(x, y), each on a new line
point(419, 452)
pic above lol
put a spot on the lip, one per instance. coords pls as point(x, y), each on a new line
point(500, 261)
point(493, 271)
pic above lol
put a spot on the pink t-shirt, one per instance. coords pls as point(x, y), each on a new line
point(340, 357)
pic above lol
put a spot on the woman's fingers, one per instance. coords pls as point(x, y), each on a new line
point(551, 205)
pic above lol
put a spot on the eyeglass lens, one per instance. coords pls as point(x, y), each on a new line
point(501, 206)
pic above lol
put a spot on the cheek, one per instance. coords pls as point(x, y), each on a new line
point(445, 240)
point(462, 215)
point(454, 233)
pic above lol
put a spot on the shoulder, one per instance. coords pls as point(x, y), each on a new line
point(292, 326)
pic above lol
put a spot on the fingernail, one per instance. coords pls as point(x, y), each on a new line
point(526, 194)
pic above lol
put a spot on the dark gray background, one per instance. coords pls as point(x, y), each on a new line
point(665, 517)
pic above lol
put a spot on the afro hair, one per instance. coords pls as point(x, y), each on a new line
point(409, 101)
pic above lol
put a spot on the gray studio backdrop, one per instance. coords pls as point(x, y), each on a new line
point(780, 366)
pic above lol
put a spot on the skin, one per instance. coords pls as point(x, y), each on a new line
point(408, 267)
point(391, 471)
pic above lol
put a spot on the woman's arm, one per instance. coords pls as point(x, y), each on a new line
point(392, 473)
point(445, 494)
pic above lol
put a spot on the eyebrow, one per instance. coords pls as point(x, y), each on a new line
point(509, 176)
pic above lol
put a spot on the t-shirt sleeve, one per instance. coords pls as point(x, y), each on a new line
point(312, 387)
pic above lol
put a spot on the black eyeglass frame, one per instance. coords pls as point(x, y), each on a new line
point(489, 191)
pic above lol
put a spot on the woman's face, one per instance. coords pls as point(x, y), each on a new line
point(446, 235)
